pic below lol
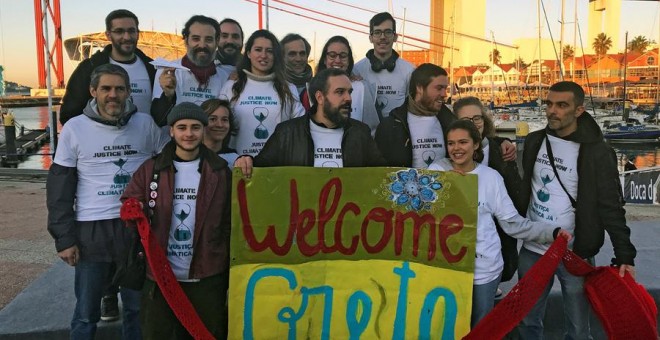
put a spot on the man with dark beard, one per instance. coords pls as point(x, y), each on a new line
point(298, 72)
point(325, 137)
point(121, 29)
point(187, 190)
point(230, 44)
point(198, 78)
point(414, 134)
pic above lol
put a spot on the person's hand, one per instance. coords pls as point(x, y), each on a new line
point(565, 234)
point(458, 171)
point(70, 255)
point(508, 151)
point(355, 77)
point(167, 81)
point(627, 268)
point(233, 76)
point(245, 164)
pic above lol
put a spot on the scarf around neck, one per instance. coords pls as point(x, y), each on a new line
point(268, 77)
point(201, 73)
point(298, 79)
point(417, 109)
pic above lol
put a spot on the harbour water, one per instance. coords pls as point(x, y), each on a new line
point(642, 155)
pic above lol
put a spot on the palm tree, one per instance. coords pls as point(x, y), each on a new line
point(638, 44)
point(520, 63)
point(602, 43)
point(568, 51)
point(495, 56)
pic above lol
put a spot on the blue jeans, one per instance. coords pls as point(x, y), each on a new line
point(576, 305)
point(91, 280)
point(483, 300)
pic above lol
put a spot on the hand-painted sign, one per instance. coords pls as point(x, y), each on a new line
point(351, 253)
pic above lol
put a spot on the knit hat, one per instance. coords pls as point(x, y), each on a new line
point(187, 110)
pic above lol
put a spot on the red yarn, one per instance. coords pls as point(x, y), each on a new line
point(625, 308)
point(131, 210)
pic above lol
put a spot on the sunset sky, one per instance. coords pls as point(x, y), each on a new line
point(508, 19)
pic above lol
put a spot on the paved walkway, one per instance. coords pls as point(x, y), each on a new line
point(36, 290)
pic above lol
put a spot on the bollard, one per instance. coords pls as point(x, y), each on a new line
point(10, 139)
point(522, 130)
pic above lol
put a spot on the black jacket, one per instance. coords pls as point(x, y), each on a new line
point(393, 135)
point(509, 172)
point(599, 200)
point(77, 89)
point(291, 145)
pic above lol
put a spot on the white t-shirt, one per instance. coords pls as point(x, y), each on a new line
point(188, 89)
point(106, 157)
point(257, 112)
point(140, 84)
point(495, 203)
point(427, 139)
point(184, 205)
point(327, 146)
point(390, 88)
point(549, 202)
point(485, 147)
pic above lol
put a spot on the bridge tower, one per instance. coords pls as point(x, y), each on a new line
point(43, 9)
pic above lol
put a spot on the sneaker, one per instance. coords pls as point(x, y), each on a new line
point(498, 293)
point(109, 308)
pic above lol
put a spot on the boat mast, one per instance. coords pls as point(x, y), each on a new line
point(538, 16)
point(625, 71)
point(575, 29)
point(561, 44)
point(492, 68)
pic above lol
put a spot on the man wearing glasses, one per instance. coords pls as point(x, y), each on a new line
point(386, 73)
point(121, 29)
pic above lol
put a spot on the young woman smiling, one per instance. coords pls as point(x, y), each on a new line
point(465, 152)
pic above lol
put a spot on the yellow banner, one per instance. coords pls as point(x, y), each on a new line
point(351, 253)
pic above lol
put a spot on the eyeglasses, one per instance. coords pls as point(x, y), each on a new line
point(121, 31)
point(334, 55)
point(378, 33)
point(474, 119)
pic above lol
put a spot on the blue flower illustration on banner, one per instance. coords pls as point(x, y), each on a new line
point(413, 190)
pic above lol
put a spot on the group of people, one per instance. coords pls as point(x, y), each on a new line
point(170, 136)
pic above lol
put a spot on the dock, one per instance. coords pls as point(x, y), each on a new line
point(27, 143)
point(28, 101)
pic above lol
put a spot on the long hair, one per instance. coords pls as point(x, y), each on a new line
point(489, 126)
point(336, 39)
point(473, 132)
point(279, 83)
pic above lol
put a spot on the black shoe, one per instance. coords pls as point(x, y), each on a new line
point(109, 308)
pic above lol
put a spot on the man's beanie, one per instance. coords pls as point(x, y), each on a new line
point(187, 110)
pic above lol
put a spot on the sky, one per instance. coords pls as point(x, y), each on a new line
point(508, 19)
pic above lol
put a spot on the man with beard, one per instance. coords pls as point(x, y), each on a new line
point(297, 71)
point(325, 137)
point(121, 29)
point(198, 78)
point(386, 73)
point(187, 190)
point(97, 153)
point(230, 44)
point(414, 134)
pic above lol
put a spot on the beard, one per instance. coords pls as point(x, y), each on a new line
point(229, 58)
point(117, 46)
point(201, 61)
point(430, 103)
point(334, 114)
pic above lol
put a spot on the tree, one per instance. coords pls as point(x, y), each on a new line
point(638, 44)
point(495, 56)
point(520, 63)
point(568, 51)
point(602, 43)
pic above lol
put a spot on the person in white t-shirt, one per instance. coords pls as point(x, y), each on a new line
point(337, 53)
point(187, 190)
point(387, 74)
point(261, 97)
point(203, 80)
point(98, 152)
point(218, 132)
point(464, 149)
